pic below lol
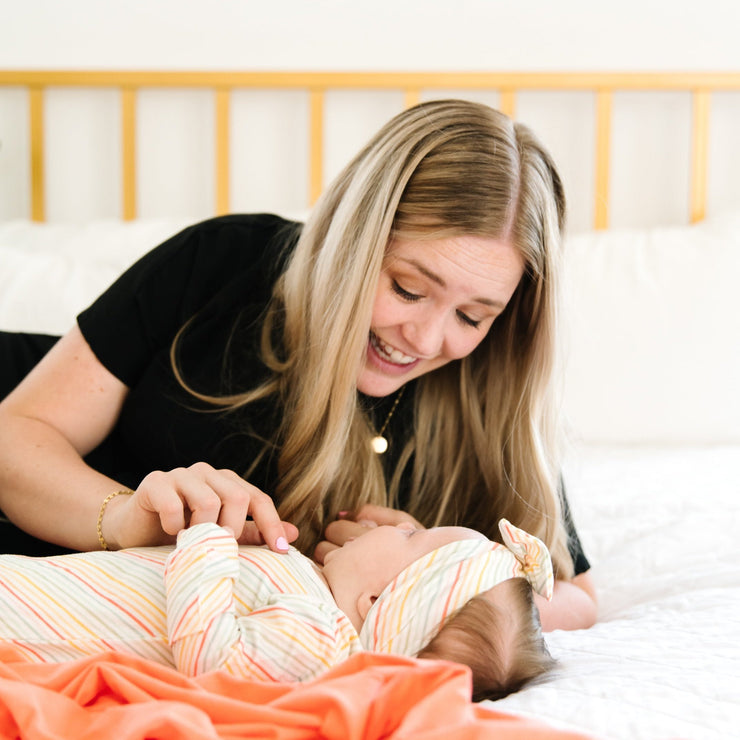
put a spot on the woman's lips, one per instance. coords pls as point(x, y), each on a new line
point(388, 359)
point(389, 353)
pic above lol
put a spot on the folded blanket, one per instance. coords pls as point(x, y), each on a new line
point(128, 698)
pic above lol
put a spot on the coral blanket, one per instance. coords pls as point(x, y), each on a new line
point(127, 698)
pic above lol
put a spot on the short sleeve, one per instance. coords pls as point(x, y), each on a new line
point(575, 548)
point(141, 312)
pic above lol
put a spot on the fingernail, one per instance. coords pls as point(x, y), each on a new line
point(281, 543)
point(342, 514)
point(369, 523)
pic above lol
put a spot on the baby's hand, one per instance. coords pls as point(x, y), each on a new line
point(351, 525)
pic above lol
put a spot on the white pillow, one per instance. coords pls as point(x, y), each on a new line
point(50, 272)
point(653, 339)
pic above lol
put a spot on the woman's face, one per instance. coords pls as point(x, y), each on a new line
point(435, 302)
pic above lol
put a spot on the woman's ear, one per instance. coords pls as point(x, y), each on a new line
point(364, 601)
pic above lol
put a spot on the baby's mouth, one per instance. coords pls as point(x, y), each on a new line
point(389, 353)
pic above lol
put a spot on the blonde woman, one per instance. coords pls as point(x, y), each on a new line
point(397, 351)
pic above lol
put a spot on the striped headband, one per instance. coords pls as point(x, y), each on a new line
point(412, 608)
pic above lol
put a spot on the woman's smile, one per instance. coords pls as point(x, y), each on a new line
point(390, 355)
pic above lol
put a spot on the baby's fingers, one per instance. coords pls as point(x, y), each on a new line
point(383, 515)
point(322, 550)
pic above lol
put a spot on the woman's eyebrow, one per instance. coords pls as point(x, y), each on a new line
point(439, 280)
point(425, 271)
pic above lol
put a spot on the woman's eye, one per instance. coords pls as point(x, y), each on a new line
point(398, 290)
point(465, 319)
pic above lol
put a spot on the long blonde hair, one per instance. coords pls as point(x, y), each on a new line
point(484, 443)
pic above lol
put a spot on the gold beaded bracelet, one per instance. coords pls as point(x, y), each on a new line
point(106, 501)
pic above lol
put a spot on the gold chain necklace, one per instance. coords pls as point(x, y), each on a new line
point(379, 443)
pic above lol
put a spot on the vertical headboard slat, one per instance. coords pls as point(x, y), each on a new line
point(603, 158)
point(38, 175)
point(316, 144)
point(699, 154)
point(223, 148)
point(128, 152)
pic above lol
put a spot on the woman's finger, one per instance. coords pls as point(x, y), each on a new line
point(264, 514)
point(159, 494)
point(235, 499)
point(252, 536)
point(241, 499)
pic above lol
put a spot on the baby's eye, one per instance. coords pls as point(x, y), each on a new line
point(405, 294)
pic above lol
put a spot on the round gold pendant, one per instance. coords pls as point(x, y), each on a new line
point(379, 445)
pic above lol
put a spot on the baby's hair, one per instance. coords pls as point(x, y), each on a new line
point(498, 635)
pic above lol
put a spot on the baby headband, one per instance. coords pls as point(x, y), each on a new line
point(412, 608)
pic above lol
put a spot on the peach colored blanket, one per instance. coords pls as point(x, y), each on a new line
point(126, 698)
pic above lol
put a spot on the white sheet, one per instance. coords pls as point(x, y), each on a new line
point(660, 528)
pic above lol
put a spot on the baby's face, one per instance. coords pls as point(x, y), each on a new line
point(369, 563)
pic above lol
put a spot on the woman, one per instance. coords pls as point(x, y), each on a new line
point(247, 358)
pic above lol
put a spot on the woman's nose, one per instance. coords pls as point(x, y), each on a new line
point(425, 336)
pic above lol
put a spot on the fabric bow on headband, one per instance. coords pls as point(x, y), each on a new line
point(412, 608)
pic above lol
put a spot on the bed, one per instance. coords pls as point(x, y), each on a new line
point(651, 399)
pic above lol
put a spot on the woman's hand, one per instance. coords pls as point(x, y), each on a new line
point(351, 525)
point(166, 502)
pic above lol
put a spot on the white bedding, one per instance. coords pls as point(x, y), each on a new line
point(653, 476)
point(660, 528)
point(49, 272)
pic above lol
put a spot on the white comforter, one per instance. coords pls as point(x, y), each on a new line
point(660, 527)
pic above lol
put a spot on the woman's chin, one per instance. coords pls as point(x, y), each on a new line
point(377, 387)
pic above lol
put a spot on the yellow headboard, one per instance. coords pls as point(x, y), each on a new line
point(701, 86)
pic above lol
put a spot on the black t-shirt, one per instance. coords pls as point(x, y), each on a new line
point(218, 276)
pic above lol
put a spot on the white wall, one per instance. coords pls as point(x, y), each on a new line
point(175, 171)
point(373, 34)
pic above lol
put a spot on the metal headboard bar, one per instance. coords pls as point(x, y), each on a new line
point(603, 84)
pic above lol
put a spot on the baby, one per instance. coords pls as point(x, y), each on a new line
point(210, 604)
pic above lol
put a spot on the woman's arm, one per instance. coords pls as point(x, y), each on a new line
point(62, 410)
point(573, 605)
